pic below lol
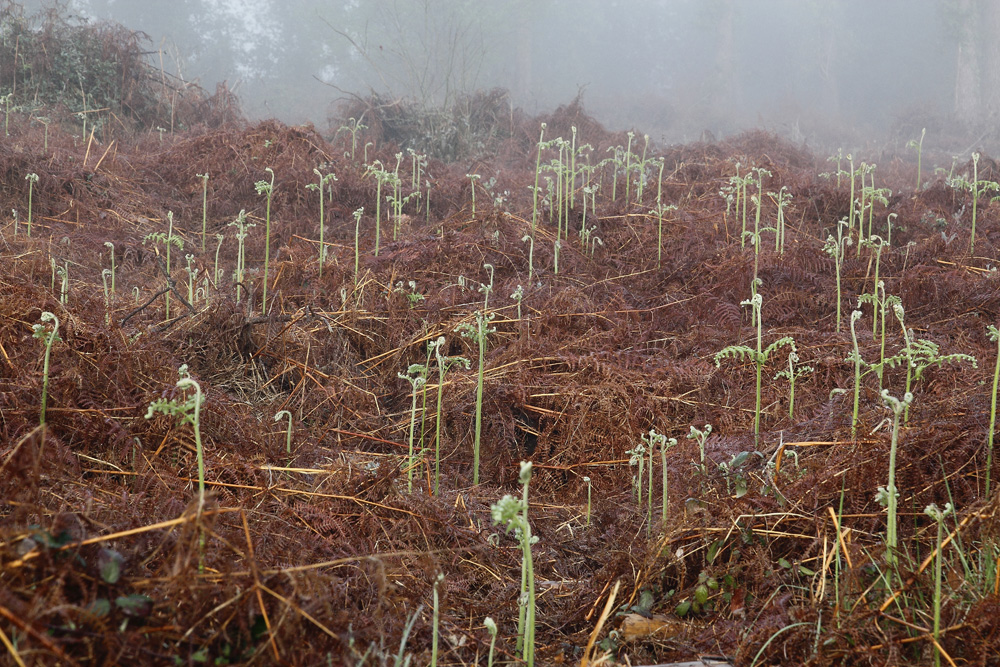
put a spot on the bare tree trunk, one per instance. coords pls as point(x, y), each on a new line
point(968, 102)
point(724, 98)
point(990, 36)
point(522, 73)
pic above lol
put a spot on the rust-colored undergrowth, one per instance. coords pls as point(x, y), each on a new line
point(320, 555)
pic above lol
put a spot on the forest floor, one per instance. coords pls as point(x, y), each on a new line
point(327, 548)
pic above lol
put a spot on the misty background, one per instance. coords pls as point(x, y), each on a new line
point(823, 72)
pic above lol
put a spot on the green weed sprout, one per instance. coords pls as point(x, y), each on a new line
point(555, 256)
point(978, 187)
point(938, 516)
point(659, 212)
point(416, 375)
point(588, 191)
point(855, 356)
point(443, 364)
point(793, 373)
point(758, 356)
point(538, 171)
point(267, 189)
point(192, 277)
point(382, 176)
point(518, 296)
point(637, 456)
point(528, 238)
point(413, 296)
point(32, 178)
point(357, 230)
point(436, 620)
point(107, 296)
point(617, 160)
point(921, 354)
point(167, 240)
point(863, 170)
point(888, 496)
point(242, 227)
point(472, 182)
point(204, 208)
point(994, 335)
point(478, 334)
point(288, 431)
point(215, 272)
point(628, 166)
point(700, 436)
point(586, 480)
point(918, 145)
point(782, 199)
point(63, 272)
point(187, 412)
point(835, 248)
point(876, 243)
point(880, 303)
point(654, 440)
point(758, 200)
point(353, 126)
point(323, 180)
point(491, 627)
point(42, 333)
point(513, 515)
point(850, 221)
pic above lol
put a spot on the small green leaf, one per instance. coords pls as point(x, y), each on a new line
point(646, 600)
point(784, 563)
point(806, 571)
point(683, 608)
point(110, 563)
point(99, 607)
point(701, 595)
point(713, 551)
point(135, 605)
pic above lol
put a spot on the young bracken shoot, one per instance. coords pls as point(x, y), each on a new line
point(204, 208)
point(32, 179)
point(994, 335)
point(187, 412)
point(512, 514)
point(855, 356)
point(288, 432)
point(793, 373)
point(918, 145)
point(758, 356)
point(938, 515)
point(478, 334)
point(357, 230)
point(416, 375)
point(443, 364)
point(887, 496)
point(167, 240)
point(242, 227)
point(319, 186)
point(42, 333)
point(266, 188)
point(700, 436)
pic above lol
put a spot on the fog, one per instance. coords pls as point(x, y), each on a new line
point(822, 72)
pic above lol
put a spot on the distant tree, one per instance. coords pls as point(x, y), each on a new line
point(976, 25)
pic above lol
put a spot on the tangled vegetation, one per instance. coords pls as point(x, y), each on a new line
point(331, 481)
